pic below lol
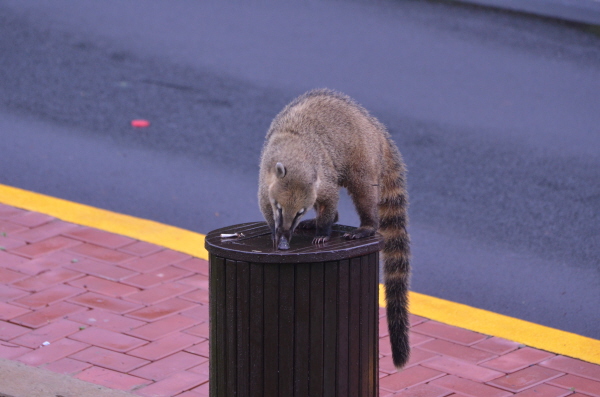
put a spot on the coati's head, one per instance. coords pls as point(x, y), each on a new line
point(291, 193)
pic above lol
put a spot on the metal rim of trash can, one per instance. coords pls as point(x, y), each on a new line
point(256, 246)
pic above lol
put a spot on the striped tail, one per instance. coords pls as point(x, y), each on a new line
point(393, 220)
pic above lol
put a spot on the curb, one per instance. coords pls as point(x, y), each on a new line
point(578, 11)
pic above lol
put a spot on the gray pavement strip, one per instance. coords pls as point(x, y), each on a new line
point(20, 380)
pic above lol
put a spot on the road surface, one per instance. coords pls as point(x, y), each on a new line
point(497, 116)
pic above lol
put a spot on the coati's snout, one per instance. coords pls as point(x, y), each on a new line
point(284, 227)
point(286, 220)
point(290, 199)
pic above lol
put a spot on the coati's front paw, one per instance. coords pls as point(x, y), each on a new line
point(320, 239)
point(307, 224)
point(361, 232)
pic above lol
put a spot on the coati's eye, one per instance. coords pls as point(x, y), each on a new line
point(301, 211)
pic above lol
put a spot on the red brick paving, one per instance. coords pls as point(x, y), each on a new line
point(106, 320)
point(161, 328)
point(109, 359)
point(54, 351)
point(105, 302)
point(156, 277)
point(68, 366)
point(112, 379)
point(164, 367)
point(52, 244)
point(518, 359)
point(8, 311)
point(11, 350)
point(133, 316)
point(108, 339)
point(43, 280)
point(161, 310)
point(49, 333)
point(10, 331)
point(10, 261)
point(99, 237)
point(39, 318)
point(8, 276)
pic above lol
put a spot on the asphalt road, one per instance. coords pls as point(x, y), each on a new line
point(497, 116)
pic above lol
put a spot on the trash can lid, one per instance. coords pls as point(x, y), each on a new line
point(256, 245)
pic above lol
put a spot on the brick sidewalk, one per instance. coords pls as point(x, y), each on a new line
point(134, 316)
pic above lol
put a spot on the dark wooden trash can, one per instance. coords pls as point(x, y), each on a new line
point(301, 322)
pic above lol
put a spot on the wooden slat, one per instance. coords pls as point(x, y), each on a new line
point(217, 327)
point(286, 330)
point(330, 331)
point(257, 345)
point(343, 311)
point(365, 298)
point(243, 327)
point(230, 329)
point(374, 325)
point(271, 330)
point(302, 287)
point(354, 329)
point(317, 296)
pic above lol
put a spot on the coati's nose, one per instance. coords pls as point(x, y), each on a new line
point(283, 244)
point(282, 239)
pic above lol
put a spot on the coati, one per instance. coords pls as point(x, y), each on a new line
point(321, 141)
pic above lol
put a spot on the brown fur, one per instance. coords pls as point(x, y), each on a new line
point(320, 142)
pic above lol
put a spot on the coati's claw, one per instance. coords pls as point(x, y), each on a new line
point(360, 232)
point(320, 239)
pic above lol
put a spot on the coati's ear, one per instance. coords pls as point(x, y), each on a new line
point(280, 170)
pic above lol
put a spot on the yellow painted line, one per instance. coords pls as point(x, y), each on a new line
point(182, 240)
point(489, 323)
point(140, 229)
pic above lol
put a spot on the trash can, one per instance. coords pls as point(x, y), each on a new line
point(300, 322)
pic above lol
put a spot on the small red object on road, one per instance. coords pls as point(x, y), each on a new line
point(140, 123)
